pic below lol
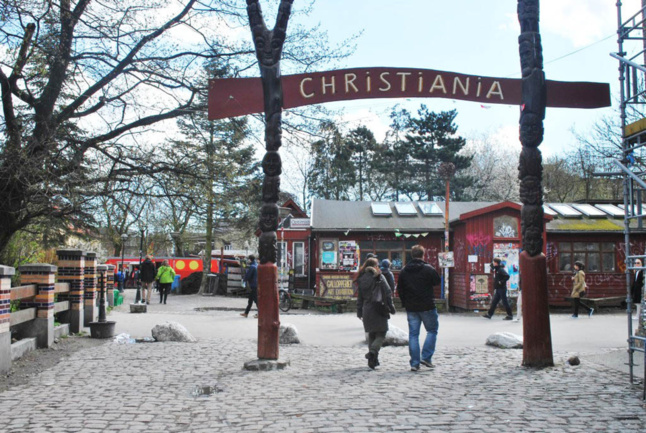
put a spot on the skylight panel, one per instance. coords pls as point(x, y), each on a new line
point(406, 209)
point(589, 210)
point(380, 209)
point(549, 211)
point(565, 210)
point(429, 208)
point(635, 207)
point(611, 209)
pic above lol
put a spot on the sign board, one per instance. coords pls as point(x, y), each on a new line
point(348, 256)
point(231, 97)
point(299, 223)
point(328, 254)
point(473, 258)
point(479, 287)
point(509, 253)
point(337, 286)
point(445, 260)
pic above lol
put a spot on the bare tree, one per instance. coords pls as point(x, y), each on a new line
point(494, 168)
point(81, 79)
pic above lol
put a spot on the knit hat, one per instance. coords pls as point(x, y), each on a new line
point(385, 263)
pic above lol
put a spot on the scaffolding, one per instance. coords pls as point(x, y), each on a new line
point(632, 71)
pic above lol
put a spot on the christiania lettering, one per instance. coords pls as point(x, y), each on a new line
point(421, 83)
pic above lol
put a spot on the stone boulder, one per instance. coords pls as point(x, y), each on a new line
point(172, 331)
point(505, 340)
point(394, 337)
point(288, 334)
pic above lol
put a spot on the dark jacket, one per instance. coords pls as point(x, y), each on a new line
point(251, 276)
point(390, 278)
point(373, 321)
point(500, 278)
point(415, 286)
point(638, 287)
point(148, 271)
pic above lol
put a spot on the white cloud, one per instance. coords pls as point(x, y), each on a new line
point(364, 117)
point(583, 21)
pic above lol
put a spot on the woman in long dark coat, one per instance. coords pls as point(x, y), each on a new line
point(638, 287)
point(369, 280)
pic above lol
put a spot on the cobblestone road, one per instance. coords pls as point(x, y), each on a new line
point(149, 387)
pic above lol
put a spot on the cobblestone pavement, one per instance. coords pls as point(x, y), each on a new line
point(149, 387)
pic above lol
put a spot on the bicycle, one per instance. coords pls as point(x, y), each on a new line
point(284, 300)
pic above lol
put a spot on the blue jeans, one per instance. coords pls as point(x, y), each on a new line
point(431, 324)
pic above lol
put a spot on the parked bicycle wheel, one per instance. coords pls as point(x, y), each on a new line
point(284, 302)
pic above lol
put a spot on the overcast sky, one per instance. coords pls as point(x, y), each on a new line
point(480, 38)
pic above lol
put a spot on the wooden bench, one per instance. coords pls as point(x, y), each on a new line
point(338, 305)
point(596, 303)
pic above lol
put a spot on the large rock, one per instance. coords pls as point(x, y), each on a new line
point(288, 334)
point(172, 331)
point(505, 340)
point(394, 337)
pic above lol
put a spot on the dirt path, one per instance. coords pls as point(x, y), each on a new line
point(33, 363)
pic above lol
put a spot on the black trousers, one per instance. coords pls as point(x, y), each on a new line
point(253, 297)
point(500, 295)
point(164, 290)
point(576, 302)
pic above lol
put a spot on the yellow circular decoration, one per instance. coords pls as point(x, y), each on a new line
point(180, 264)
point(193, 265)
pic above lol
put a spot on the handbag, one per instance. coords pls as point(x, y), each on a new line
point(378, 298)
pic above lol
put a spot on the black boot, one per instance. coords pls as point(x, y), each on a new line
point(165, 296)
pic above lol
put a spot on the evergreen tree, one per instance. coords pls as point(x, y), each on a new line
point(362, 145)
point(432, 139)
point(332, 173)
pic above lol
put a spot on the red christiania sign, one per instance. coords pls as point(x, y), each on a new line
point(231, 97)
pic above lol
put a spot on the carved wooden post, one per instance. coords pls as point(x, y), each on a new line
point(269, 47)
point(537, 347)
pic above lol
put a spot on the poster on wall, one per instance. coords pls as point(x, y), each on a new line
point(509, 253)
point(328, 254)
point(348, 256)
point(479, 287)
point(445, 260)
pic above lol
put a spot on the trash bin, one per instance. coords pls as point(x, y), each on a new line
point(176, 284)
point(212, 282)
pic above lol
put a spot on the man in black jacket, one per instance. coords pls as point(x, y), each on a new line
point(500, 278)
point(415, 287)
point(147, 274)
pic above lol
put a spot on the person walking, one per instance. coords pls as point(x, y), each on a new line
point(386, 272)
point(251, 278)
point(147, 275)
point(578, 290)
point(372, 295)
point(638, 287)
point(121, 279)
point(416, 285)
point(500, 277)
point(165, 277)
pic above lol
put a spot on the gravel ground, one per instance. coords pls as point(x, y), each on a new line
point(34, 363)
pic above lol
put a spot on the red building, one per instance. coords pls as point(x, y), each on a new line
point(343, 233)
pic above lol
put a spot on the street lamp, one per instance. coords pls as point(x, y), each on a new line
point(124, 237)
point(446, 172)
point(141, 250)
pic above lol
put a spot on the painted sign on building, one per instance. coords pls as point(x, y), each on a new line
point(337, 286)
